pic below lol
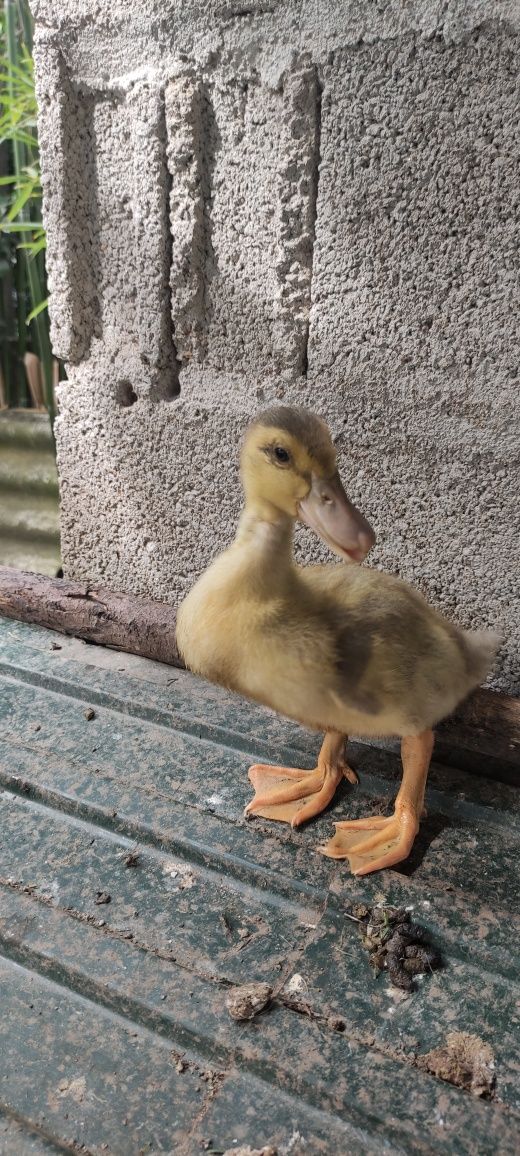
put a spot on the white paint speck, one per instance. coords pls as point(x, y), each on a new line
point(293, 1140)
point(174, 870)
point(295, 984)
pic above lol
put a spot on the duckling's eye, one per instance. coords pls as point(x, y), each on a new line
point(281, 454)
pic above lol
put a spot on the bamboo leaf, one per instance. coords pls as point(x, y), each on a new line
point(20, 226)
point(22, 240)
point(17, 75)
point(34, 247)
point(36, 311)
point(24, 195)
point(19, 136)
point(26, 22)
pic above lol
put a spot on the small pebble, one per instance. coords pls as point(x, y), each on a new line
point(247, 1001)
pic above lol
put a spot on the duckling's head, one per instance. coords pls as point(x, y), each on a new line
point(288, 467)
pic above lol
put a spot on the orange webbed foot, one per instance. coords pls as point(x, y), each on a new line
point(391, 840)
point(293, 796)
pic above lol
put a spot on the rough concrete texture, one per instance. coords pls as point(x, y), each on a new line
point(309, 202)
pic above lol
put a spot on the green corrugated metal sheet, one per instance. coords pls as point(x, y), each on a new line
point(115, 1033)
point(29, 514)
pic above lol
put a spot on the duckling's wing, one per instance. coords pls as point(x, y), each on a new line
point(395, 655)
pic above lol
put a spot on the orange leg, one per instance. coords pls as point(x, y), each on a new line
point(280, 792)
point(393, 837)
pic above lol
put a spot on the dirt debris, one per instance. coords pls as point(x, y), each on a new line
point(182, 873)
point(132, 859)
point(247, 1001)
point(89, 714)
point(226, 923)
point(464, 1060)
point(102, 897)
point(247, 1151)
point(74, 1088)
point(395, 944)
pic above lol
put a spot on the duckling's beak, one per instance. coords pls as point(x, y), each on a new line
point(327, 510)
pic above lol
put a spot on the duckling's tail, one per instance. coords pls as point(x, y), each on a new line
point(481, 648)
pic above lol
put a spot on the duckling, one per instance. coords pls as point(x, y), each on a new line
point(343, 649)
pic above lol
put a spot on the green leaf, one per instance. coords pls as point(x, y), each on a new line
point(18, 134)
point(36, 311)
point(24, 194)
point(20, 226)
point(34, 247)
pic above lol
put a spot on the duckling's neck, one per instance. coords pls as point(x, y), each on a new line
point(265, 534)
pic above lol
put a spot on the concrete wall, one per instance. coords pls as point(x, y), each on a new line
point(314, 202)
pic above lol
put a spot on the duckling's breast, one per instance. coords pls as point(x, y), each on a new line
point(207, 631)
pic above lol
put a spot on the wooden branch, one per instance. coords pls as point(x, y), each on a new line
point(487, 724)
point(487, 721)
point(121, 621)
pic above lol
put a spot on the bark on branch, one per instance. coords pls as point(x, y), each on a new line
point(121, 621)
